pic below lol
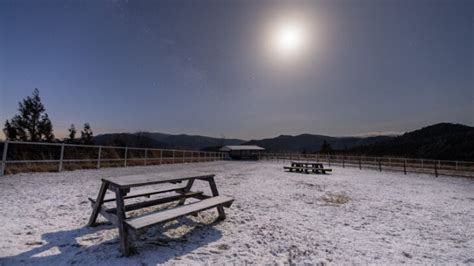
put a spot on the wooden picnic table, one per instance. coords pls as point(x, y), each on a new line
point(307, 167)
point(306, 164)
point(134, 226)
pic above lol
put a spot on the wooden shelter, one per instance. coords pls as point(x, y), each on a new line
point(242, 152)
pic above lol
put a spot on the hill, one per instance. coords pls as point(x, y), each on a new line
point(442, 141)
point(161, 140)
point(193, 142)
point(129, 140)
point(312, 143)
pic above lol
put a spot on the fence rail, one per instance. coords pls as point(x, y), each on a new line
point(62, 156)
point(436, 167)
point(18, 153)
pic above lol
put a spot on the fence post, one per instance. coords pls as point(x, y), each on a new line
point(146, 156)
point(343, 162)
point(405, 166)
point(380, 164)
point(360, 163)
point(456, 165)
point(61, 158)
point(4, 158)
point(126, 154)
point(436, 168)
point(98, 157)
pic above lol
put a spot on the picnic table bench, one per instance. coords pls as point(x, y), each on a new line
point(133, 227)
point(307, 167)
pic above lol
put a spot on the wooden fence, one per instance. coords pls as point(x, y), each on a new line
point(406, 165)
point(18, 156)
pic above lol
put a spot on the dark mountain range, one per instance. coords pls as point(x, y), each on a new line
point(160, 140)
point(129, 140)
point(155, 135)
point(442, 141)
point(313, 143)
point(193, 142)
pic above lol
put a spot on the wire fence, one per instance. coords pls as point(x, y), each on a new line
point(19, 156)
point(406, 165)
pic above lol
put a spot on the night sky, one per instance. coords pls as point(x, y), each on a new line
point(209, 67)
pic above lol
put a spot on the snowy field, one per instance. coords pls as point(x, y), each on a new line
point(349, 216)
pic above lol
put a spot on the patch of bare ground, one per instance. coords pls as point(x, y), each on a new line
point(335, 198)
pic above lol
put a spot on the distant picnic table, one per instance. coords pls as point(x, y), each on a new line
point(133, 227)
point(307, 167)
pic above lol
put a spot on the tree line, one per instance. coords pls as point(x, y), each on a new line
point(33, 124)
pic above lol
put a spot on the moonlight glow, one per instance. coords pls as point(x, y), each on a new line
point(289, 38)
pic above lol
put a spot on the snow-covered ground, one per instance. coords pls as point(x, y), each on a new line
point(349, 216)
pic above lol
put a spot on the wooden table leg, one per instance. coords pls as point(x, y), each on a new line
point(98, 203)
point(185, 190)
point(215, 193)
point(123, 232)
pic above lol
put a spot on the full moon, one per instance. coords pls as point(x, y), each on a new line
point(289, 38)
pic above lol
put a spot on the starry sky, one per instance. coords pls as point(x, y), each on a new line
point(205, 67)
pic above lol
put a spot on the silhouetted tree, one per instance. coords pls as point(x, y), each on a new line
point(32, 124)
point(72, 133)
point(10, 131)
point(326, 148)
point(86, 134)
point(46, 128)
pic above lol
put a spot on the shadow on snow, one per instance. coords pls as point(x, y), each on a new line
point(152, 248)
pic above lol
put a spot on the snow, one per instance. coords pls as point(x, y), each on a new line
point(242, 148)
point(349, 216)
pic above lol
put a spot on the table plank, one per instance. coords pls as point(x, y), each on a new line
point(306, 162)
point(145, 221)
point(150, 179)
point(148, 193)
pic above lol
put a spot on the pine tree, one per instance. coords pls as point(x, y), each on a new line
point(326, 148)
point(10, 131)
point(86, 134)
point(32, 124)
